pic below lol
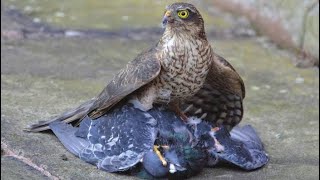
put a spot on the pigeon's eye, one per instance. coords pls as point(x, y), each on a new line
point(183, 14)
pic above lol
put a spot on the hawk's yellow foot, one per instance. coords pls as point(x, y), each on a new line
point(162, 159)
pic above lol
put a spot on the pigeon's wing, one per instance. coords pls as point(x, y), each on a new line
point(136, 74)
point(119, 139)
point(247, 135)
point(245, 152)
point(219, 101)
point(66, 135)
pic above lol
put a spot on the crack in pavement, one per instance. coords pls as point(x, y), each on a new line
point(6, 151)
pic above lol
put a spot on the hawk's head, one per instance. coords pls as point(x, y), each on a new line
point(183, 17)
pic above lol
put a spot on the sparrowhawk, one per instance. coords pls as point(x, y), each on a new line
point(180, 71)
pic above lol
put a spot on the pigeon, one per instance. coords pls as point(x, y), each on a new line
point(157, 144)
point(241, 146)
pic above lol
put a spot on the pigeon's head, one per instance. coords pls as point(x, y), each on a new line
point(174, 161)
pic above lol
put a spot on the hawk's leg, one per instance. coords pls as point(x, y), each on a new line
point(162, 159)
point(175, 106)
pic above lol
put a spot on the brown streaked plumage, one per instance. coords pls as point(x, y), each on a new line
point(169, 73)
point(176, 67)
point(219, 101)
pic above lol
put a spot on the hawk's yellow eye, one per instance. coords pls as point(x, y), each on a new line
point(183, 14)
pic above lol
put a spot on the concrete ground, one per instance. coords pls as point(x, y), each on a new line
point(41, 76)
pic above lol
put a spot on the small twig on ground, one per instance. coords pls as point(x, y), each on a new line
point(5, 151)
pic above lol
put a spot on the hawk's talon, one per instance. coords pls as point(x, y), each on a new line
point(162, 159)
point(184, 117)
point(215, 129)
point(175, 107)
point(166, 147)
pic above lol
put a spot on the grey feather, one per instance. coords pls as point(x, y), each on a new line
point(66, 135)
point(243, 148)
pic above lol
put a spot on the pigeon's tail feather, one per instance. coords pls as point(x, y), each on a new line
point(69, 116)
point(247, 135)
point(245, 149)
point(66, 135)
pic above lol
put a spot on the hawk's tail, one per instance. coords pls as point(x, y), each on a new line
point(69, 116)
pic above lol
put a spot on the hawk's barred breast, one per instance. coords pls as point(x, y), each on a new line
point(185, 64)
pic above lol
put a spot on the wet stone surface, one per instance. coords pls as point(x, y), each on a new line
point(43, 76)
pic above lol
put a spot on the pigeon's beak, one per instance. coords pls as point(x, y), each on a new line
point(167, 18)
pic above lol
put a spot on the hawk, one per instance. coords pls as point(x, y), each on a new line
point(180, 71)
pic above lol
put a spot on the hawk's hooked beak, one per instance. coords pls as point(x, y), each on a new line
point(167, 18)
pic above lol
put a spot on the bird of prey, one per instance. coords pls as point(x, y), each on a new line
point(219, 101)
point(158, 143)
point(180, 71)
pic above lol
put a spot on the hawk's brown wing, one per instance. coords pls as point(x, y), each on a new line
point(219, 101)
point(137, 73)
